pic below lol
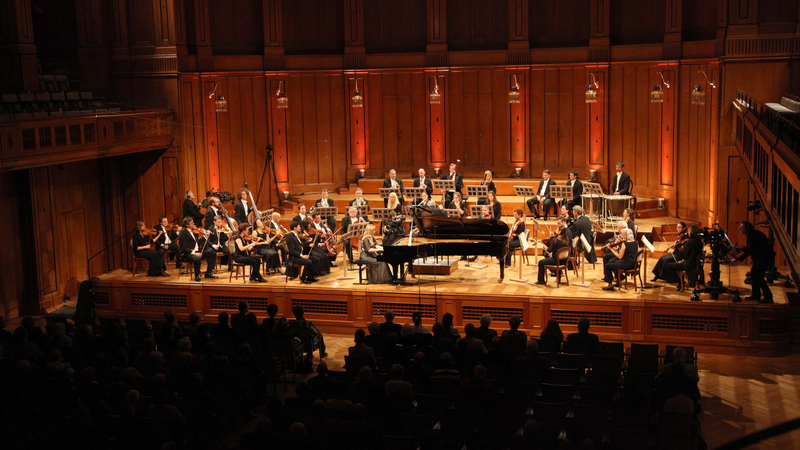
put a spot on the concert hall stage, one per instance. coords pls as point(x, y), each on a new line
point(658, 314)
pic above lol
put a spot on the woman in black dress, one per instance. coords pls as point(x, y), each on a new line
point(497, 208)
point(394, 203)
point(626, 255)
point(242, 253)
point(627, 216)
point(558, 242)
point(141, 249)
point(264, 249)
point(487, 181)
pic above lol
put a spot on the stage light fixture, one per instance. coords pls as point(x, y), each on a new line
point(435, 97)
point(283, 101)
point(357, 101)
point(591, 91)
point(220, 104)
point(518, 172)
point(657, 94)
point(361, 173)
point(513, 94)
point(699, 94)
point(436, 171)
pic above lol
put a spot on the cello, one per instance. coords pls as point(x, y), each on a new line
point(232, 223)
point(254, 213)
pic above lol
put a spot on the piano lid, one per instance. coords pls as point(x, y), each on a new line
point(433, 224)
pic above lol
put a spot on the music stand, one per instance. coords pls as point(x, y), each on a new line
point(536, 230)
point(445, 186)
point(523, 247)
point(362, 210)
point(414, 192)
point(381, 214)
point(325, 212)
point(479, 192)
point(475, 210)
point(560, 192)
point(525, 192)
point(385, 192)
point(355, 230)
point(452, 212)
point(649, 249)
point(267, 215)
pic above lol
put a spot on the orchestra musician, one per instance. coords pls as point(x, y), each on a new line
point(619, 236)
point(583, 227)
point(324, 234)
point(494, 203)
point(351, 218)
point(425, 200)
point(542, 196)
point(423, 181)
point(675, 256)
point(242, 252)
point(167, 241)
point(627, 216)
point(394, 203)
point(760, 250)
point(274, 228)
point(577, 191)
point(193, 252)
point(458, 204)
point(359, 200)
point(241, 209)
point(142, 239)
point(192, 210)
point(487, 181)
point(621, 182)
point(562, 220)
point(378, 272)
point(691, 251)
point(218, 239)
point(486, 212)
point(514, 234)
point(559, 241)
point(325, 202)
point(314, 247)
point(213, 210)
point(458, 180)
point(394, 182)
point(294, 249)
point(626, 258)
point(301, 216)
point(265, 247)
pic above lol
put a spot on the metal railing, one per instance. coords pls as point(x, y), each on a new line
point(784, 129)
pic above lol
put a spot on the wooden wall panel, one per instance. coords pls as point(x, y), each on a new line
point(141, 26)
point(637, 22)
point(237, 27)
point(477, 24)
point(699, 19)
point(559, 23)
point(393, 26)
point(11, 262)
point(313, 26)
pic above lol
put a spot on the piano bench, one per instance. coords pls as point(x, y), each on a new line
point(362, 266)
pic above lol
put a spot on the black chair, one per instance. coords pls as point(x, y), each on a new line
point(557, 393)
point(602, 379)
point(562, 376)
point(607, 363)
point(549, 413)
point(643, 350)
point(642, 365)
point(597, 395)
point(611, 349)
point(590, 416)
point(628, 440)
point(570, 360)
point(353, 364)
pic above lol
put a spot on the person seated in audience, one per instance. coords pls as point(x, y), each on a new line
point(322, 383)
point(360, 350)
point(389, 326)
point(190, 329)
point(532, 438)
point(679, 403)
point(407, 336)
point(448, 330)
point(169, 333)
point(446, 368)
point(418, 371)
point(440, 341)
point(474, 345)
point(393, 351)
point(269, 323)
point(264, 432)
point(223, 329)
point(237, 319)
point(477, 386)
point(583, 339)
point(677, 377)
point(532, 360)
point(363, 383)
point(551, 337)
point(338, 399)
point(513, 338)
point(300, 323)
point(427, 348)
point(6, 338)
point(321, 428)
point(396, 385)
point(576, 438)
point(483, 332)
point(375, 340)
point(416, 318)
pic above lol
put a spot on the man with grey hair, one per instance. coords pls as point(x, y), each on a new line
point(190, 209)
point(483, 332)
point(389, 326)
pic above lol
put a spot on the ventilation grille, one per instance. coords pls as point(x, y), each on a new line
point(690, 323)
point(474, 313)
point(403, 309)
point(29, 138)
point(232, 303)
point(597, 318)
point(158, 300)
point(330, 307)
point(772, 326)
point(101, 298)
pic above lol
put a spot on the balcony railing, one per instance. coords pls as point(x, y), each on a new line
point(783, 128)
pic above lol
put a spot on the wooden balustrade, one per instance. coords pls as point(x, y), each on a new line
point(46, 141)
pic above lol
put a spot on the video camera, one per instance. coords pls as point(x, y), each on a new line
point(223, 196)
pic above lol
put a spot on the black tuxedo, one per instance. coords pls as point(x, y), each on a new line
point(330, 219)
point(366, 203)
point(691, 251)
point(624, 184)
point(577, 193)
point(239, 214)
point(547, 201)
point(427, 183)
point(761, 252)
point(191, 210)
point(387, 183)
point(459, 183)
point(218, 238)
point(297, 218)
point(583, 227)
point(173, 246)
point(210, 214)
point(294, 249)
point(188, 242)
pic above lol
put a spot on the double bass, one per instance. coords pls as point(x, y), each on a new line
point(254, 213)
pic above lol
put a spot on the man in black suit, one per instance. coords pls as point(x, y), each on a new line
point(191, 250)
point(583, 339)
point(542, 196)
point(296, 256)
point(275, 224)
point(388, 327)
point(213, 211)
point(577, 191)
point(167, 241)
point(458, 180)
point(423, 181)
point(359, 200)
point(325, 202)
point(583, 227)
point(301, 216)
point(394, 182)
point(218, 241)
point(759, 249)
point(691, 250)
point(351, 217)
point(241, 209)
point(191, 210)
point(621, 183)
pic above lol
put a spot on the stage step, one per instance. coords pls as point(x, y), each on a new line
point(650, 213)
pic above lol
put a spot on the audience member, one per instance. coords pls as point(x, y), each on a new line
point(360, 350)
point(396, 385)
point(551, 337)
point(271, 322)
point(477, 386)
point(307, 332)
point(513, 339)
point(416, 319)
point(190, 329)
point(584, 340)
point(474, 345)
point(483, 332)
point(389, 326)
point(448, 330)
point(238, 319)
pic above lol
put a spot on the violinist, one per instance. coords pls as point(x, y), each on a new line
point(264, 247)
point(458, 204)
point(314, 247)
point(167, 241)
point(675, 256)
point(213, 211)
point(142, 238)
point(625, 258)
point(614, 242)
point(351, 218)
point(514, 234)
point(192, 210)
point(242, 253)
point(326, 202)
point(322, 233)
point(567, 214)
point(218, 239)
point(486, 212)
point(296, 256)
point(275, 229)
point(565, 222)
point(301, 216)
point(627, 216)
point(241, 209)
point(487, 181)
point(560, 241)
point(194, 252)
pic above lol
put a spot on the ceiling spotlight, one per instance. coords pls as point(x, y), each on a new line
point(513, 94)
point(657, 94)
point(283, 101)
point(357, 101)
point(591, 91)
point(436, 97)
point(698, 94)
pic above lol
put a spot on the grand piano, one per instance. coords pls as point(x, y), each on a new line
point(435, 234)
